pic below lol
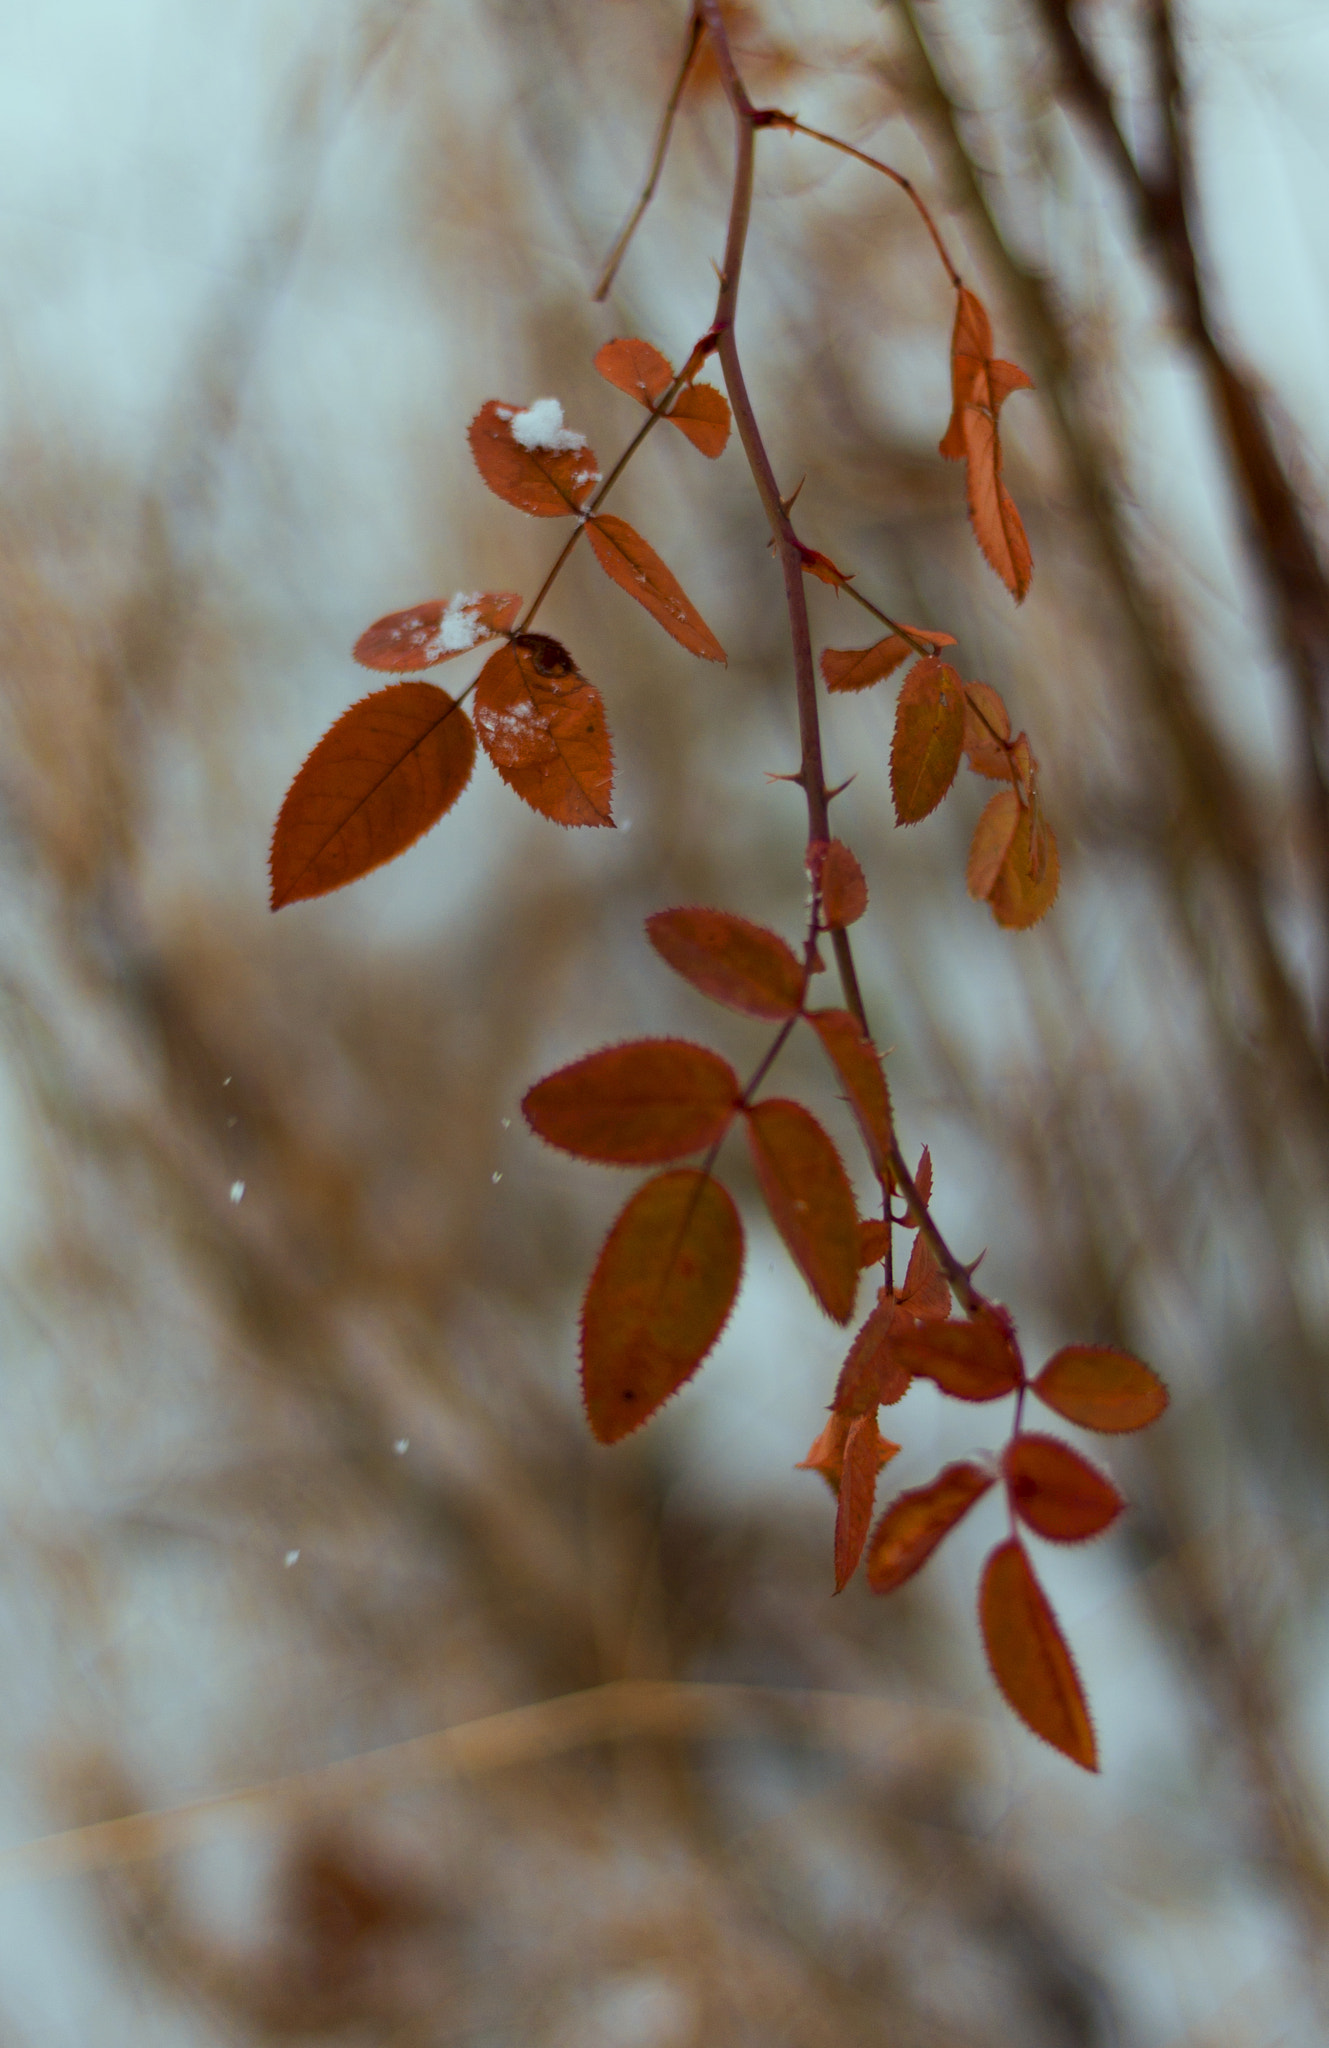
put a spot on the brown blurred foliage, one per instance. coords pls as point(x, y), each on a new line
point(296, 1465)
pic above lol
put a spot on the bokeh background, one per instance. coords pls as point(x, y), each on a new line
point(293, 1466)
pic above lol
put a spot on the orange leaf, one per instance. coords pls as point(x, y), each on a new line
point(382, 775)
point(823, 568)
point(1025, 885)
point(854, 1057)
point(730, 960)
point(635, 567)
point(1102, 1389)
point(973, 1361)
point(436, 632)
point(844, 890)
point(1056, 1491)
point(531, 459)
point(923, 1178)
point(827, 1453)
point(637, 368)
point(636, 1105)
point(1029, 1657)
point(872, 1376)
point(543, 727)
point(857, 668)
point(979, 386)
point(914, 1524)
point(926, 1293)
point(982, 752)
point(873, 1238)
point(811, 1202)
point(991, 842)
point(929, 733)
point(865, 1452)
point(658, 1299)
point(702, 413)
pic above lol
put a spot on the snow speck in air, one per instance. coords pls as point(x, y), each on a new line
point(402, 1446)
point(458, 629)
point(291, 1557)
point(541, 426)
point(506, 1122)
point(496, 1178)
point(237, 1191)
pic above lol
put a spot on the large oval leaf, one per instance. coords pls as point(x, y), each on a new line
point(634, 565)
point(727, 958)
point(636, 1105)
point(1101, 1388)
point(528, 457)
point(543, 727)
point(1057, 1492)
point(811, 1202)
point(658, 1299)
point(1029, 1657)
point(382, 775)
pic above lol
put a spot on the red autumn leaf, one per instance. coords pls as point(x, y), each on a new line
point(1025, 885)
point(844, 889)
point(543, 727)
point(914, 1524)
point(382, 775)
point(983, 732)
point(865, 1452)
point(855, 1059)
point(980, 384)
point(636, 1105)
point(872, 1376)
point(972, 1361)
point(823, 568)
point(436, 632)
point(530, 459)
point(702, 413)
point(1029, 1657)
point(926, 1293)
point(858, 668)
point(637, 368)
point(923, 1177)
point(929, 733)
point(991, 842)
point(1101, 1388)
point(634, 565)
point(811, 1202)
point(873, 1238)
point(827, 1453)
point(732, 961)
point(658, 1299)
point(1056, 1491)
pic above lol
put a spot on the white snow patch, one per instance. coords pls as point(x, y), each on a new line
point(458, 629)
point(541, 426)
point(237, 1191)
point(291, 1557)
point(402, 1446)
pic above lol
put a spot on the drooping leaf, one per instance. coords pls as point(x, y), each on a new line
point(865, 1452)
point(980, 384)
point(658, 1299)
point(858, 668)
point(1056, 1491)
point(991, 842)
point(811, 1202)
point(702, 413)
point(929, 733)
point(926, 1292)
point(435, 632)
point(1029, 1657)
point(873, 1238)
point(856, 1061)
point(914, 1524)
point(530, 459)
point(844, 889)
point(637, 368)
point(634, 565)
point(543, 727)
point(383, 774)
point(727, 958)
point(872, 1376)
point(1025, 885)
point(1101, 1388)
point(827, 1453)
point(636, 1105)
point(977, 1360)
point(982, 733)
point(823, 568)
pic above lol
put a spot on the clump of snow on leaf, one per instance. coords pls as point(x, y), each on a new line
point(541, 426)
point(459, 627)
